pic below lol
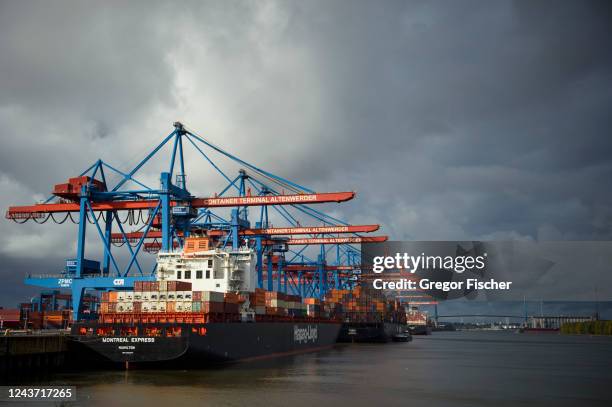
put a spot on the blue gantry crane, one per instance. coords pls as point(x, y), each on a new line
point(165, 215)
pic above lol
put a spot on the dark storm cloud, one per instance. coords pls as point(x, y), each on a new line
point(499, 111)
point(101, 62)
point(452, 120)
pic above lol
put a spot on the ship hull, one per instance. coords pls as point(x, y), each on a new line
point(369, 332)
point(219, 343)
point(419, 330)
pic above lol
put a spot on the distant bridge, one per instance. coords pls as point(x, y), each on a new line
point(538, 322)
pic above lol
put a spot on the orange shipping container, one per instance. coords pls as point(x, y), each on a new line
point(231, 298)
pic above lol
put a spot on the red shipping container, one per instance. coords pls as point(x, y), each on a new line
point(137, 306)
point(231, 298)
point(231, 308)
point(197, 296)
point(183, 286)
point(213, 307)
point(154, 286)
point(271, 295)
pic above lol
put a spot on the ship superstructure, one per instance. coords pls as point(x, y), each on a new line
point(208, 268)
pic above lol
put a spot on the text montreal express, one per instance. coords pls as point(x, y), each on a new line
point(426, 284)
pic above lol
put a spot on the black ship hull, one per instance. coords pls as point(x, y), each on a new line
point(377, 332)
point(211, 343)
point(419, 330)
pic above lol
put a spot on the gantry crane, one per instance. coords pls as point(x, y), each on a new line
point(169, 213)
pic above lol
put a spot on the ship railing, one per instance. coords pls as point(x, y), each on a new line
point(49, 275)
point(59, 275)
point(32, 332)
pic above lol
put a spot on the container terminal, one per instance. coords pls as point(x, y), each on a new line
point(225, 284)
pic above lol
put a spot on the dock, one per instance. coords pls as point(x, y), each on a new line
point(30, 354)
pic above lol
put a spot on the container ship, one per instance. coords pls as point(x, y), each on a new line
point(204, 307)
point(368, 315)
point(204, 300)
point(418, 322)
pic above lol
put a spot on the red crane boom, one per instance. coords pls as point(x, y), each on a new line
point(156, 234)
point(20, 212)
point(338, 240)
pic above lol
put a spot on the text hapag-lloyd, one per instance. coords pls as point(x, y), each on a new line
point(307, 334)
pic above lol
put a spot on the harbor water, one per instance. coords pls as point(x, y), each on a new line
point(469, 368)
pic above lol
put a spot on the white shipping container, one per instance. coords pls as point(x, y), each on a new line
point(186, 306)
point(125, 307)
point(171, 295)
point(161, 306)
point(129, 295)
point(120, 296)
point(276, 303)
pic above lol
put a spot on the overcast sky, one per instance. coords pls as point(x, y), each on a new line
point(451, 120)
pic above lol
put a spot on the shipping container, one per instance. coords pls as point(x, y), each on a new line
point(213, 307)
point(214, 296)
point(231, 298)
